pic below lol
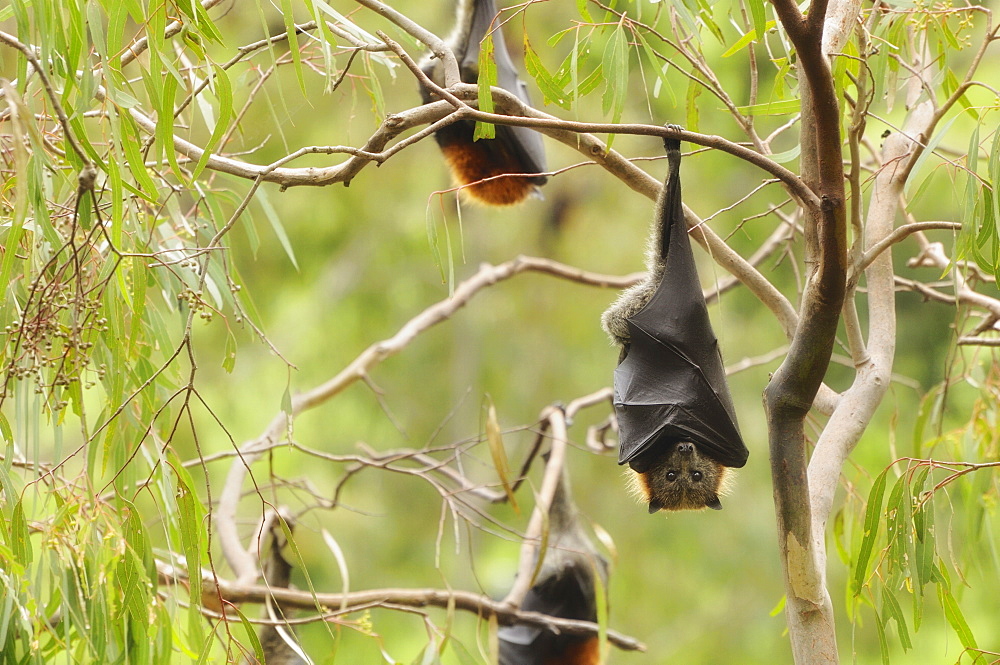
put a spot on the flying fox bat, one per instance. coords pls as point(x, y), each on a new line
point(277, 647)
point(515, 150)
point(565, 588)
point(676, 421)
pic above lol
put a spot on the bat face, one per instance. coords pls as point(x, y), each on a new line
point(680, 478)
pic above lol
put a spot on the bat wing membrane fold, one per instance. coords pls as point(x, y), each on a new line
point(671, 386)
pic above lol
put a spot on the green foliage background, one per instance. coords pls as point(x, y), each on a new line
point(326, 271)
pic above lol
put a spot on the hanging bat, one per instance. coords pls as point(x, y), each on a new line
point(676, 421)
point(564, 588)
point(515, 150)
point(277, 648)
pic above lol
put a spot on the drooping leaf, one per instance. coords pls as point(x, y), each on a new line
point(872, 519)
point(487, 79)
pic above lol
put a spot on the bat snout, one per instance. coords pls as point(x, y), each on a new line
point(685, 447)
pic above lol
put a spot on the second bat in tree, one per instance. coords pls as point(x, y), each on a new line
point(515, 150)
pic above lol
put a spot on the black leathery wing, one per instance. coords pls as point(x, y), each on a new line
point(671, 385)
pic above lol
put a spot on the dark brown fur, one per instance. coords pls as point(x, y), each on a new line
point(473, 162)
point(486, 169)
point(681, 478)
point(583, 651)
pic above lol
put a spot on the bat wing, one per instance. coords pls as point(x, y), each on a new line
point(569, 595)
point(525, 143)
point(672, 385)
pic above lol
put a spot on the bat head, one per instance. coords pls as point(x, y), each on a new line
point(679, 477)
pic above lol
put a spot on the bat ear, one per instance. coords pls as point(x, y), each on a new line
point(655, 506)
point(714, 503)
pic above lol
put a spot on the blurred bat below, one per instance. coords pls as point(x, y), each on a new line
point(565, 588)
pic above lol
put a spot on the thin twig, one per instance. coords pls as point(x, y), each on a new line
point(50, 92)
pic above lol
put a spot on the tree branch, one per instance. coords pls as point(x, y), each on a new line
point(50, 92)
point(531, 544)
point(241, 559)
point(794, 386)
point(353, 601)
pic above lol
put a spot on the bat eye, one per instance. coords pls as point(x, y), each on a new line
point(696, 476)
point(671, 476)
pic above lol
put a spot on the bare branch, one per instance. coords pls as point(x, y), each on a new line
point(899, 234)
point(240, 558)
point(978, 341)
point(437, 45)
point(933, 255)
point(939, 113)
point(531, 545)
point(483, 606)
point(874, 369)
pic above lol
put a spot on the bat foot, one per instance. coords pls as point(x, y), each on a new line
point(671, 143)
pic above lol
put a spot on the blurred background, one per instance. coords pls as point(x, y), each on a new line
point(360, 261)
point(695, 587)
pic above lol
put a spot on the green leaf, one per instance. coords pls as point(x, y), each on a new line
point(499, 453)
point(892, 610)
point(463, 655)
point(251, 634)
point(872, 513)
point(759, 19)
point(224, 93)
point(897, 513)
point(615, 69)
point(288, 14)
point(708, 20)
point(191, 514)
point(953, 613)
point(131, 141)
point(487, 79)
point(133, 584)
point(229, 353)
point(927, 154)
point(276, 225)
point(692, 117)
point(165, 123)
point(661, 67)
point(782, 107)
point(6, 434)
point(742, 43)
point(787, 156)
point(883, 644)
point(923, 526)
point(779, 607)
point(20, 543)
point(552, 91)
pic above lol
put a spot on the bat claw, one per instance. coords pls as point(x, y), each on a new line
point(671, 143)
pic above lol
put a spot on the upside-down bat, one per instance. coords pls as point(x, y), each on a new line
point(676, 421)
point(564, 587)
point(277, 648)
point(515, 149)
